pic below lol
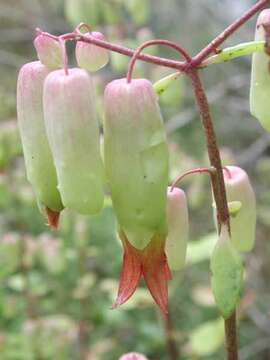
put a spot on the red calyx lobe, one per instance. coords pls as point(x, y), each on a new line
point(149, 263)
point(52, 218)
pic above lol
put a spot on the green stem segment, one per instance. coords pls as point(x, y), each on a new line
point(233, 52)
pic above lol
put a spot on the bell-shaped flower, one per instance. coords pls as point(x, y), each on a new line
point(260, 75)
point(136, 164)
point(178, 228)
point(40, 168)
point(73, 134)
point(49, 51)
point(242, 221)
point(89, 56)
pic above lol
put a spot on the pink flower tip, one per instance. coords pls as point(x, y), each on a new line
point(133, 356)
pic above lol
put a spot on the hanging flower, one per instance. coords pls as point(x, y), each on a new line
point(136, 164)
point(243, 222)
point(178, 228)
point(73, 134)
point(260, 74)
point(40, 169)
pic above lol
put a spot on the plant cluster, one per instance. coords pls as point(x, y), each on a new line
point(68, 168)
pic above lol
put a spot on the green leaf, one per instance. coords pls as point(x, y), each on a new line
point(227, 274)
point(161, 85)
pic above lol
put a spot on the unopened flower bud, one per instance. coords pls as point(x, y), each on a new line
point(136, 159)
point(226, 274)
point(37, 154)
point(91, 57)
point(49, 51)
point(177, 218)
point(260, 75)
point(72, 129)
point(243, 222)
point(133, 356)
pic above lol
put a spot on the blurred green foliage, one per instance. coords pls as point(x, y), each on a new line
point(57, 288)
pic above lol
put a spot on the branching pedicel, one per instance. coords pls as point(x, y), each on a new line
point(136, 154)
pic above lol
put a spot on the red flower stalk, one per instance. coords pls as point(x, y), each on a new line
point(149, 263)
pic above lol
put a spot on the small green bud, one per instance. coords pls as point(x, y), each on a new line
point(227, 274)
point(72, 129)
point(234, 208)
point(49, 51)
point(91, 57)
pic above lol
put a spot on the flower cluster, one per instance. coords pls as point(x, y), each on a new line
point(59, 130)
point(61, 143)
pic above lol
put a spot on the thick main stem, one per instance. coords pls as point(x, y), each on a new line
point(218, 191)
point(212, 148)
point(231, 337)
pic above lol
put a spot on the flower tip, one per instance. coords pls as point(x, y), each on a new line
point(133, 356)
point(52, 218)
point(118, 302)
point(162, 305)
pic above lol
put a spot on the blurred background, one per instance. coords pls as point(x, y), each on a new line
point(56, 288)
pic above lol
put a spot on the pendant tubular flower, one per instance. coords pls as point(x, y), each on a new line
point(72, 129)
point(40, 169)
point(136, 164)
point(178, 228)
point(260, 75)
point(243, 223)
point(136, 159)
point(49, 51)
point(89, 56)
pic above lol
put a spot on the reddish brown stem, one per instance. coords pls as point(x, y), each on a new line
point(173, 351)
point(212, 148)
point(231, 337)
point(218, 191)
point(137, 52)
point(190, 172)
point(173, 64)
point(214, 45)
